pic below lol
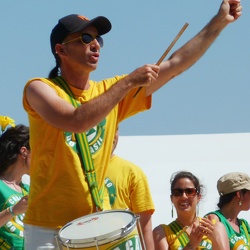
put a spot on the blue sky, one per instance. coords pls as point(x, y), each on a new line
point(211, 97)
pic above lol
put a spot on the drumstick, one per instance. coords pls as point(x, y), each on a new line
point(178, 235)
point(166, 51)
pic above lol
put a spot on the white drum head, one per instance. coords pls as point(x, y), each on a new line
point(102, 227)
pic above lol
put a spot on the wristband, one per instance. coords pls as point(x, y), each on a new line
point(11, 211)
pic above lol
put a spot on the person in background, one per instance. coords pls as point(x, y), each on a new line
point(14, 163)
point(234, 191)
point(189, 231)
point(68, 105)
point(129, 189)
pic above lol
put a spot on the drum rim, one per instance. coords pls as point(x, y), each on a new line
point(102, 239)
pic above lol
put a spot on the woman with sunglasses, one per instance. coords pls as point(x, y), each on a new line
point(73, 119)
point(234, 191)
point(188, 231)
point(14, 163)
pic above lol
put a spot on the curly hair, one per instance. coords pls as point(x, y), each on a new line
point(11, 142)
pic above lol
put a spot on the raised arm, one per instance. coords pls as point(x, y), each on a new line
point(59, 113)
point(191, 52)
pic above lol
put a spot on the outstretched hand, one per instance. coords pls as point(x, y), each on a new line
point(230, 10)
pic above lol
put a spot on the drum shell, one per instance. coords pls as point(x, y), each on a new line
point(112, 229)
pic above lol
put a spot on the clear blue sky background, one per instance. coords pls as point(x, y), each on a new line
point(211, 97)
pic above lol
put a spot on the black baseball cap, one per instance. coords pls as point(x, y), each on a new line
point(74, 23)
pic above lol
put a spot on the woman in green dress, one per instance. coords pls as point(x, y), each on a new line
point(14, 164)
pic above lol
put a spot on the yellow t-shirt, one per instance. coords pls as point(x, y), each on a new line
point(59, 192)
point(128, 186)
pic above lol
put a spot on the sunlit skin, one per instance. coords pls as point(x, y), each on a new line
point(185, 206)
point(79, 59)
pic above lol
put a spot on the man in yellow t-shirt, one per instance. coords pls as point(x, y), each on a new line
point(129, 189)
point(68, 103)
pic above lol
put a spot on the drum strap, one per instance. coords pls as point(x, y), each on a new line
point(176, 228)
point(246, 231)
point(86, 157)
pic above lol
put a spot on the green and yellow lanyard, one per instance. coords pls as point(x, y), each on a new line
point(86, 157)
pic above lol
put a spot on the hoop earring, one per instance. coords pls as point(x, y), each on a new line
point(172, 211)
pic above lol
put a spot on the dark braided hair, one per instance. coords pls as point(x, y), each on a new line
point(55, 71)
point(11, 142)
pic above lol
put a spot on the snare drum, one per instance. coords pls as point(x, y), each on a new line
point(109, 230)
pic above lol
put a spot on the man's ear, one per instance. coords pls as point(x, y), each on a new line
point(59, 49)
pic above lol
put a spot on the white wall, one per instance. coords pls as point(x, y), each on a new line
point(208, 156)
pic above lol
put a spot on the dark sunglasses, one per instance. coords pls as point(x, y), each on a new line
point(87, 39)
point(188, 191)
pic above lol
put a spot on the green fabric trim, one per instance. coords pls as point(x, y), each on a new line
point(4, 245)
point(86, 156)
point(176, 228)
point(246, 231)
point(111, 190)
